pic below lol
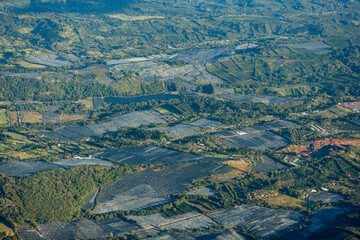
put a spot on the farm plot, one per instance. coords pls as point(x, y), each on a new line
point(64, 77)
point(50, 60)
point(263, 99)
point(50, 117)
point(84, 229)
point(203, 55)
point(21, 75)
point(317, 46)
point(270, 126)
point(215, 234)
point(326, 197)
point(258, 140)
point(151, 155)
point(179, 130)
point(159, 222)
point(139, 59)
point(262, 222)
point(321, 218)
point(132, 119)
point(205, 191)
point(127, 100)
point(22, 169)
point(206, 123)
point(267, 165)
point(150, 188)
point(83, 162)
point(189, 72)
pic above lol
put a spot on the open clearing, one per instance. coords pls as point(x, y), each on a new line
point(285, 201)
point(214, 234)
point(23, 169)
point(258, 140)
point(263, 222)
point(148, 189)
point(187, 129)
point(151, 155)
point(84, 229)
point(31, 117)
point(326, 197)
point(3, 117)
point(267, 165)
point(131, 119)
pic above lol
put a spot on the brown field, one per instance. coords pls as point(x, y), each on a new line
point(88, 103)
point(32, 117)
point(285, 201)
point(240, 167)
point(24, 64)
point(13, 117)
point(71, 117)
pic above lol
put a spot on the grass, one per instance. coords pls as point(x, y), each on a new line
point(13, 117)
point(6, 230)
point(239, 168)
point(88, 103)
point(29, 65)
point(286, 201)
point(32, 117)
point(3, 117)
point(133, 18)
point(71, 117)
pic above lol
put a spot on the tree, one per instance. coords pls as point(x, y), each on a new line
point(208, 89)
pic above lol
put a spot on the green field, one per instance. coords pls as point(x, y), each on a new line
point(3, 117)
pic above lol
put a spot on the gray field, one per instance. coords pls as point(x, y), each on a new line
point(84, 229)
point(151, 155)
point(270, 126)
point(206, 123)
point(202, 55)
point(160, 222)
point(258, 140)
point(179, 130)
point(21, 75)
point(321, 218)
point(228, 234)
point(263, 222)
point(149, 188)
point(327, 197)
point(267, 165)
point(317, 46)
point(205, 191)
point(50, 60)
point(83, 162)
point(23, 169)
point(187, 129)
point(263, 99)
point(131, 119)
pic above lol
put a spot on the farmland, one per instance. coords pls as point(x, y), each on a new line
point(149, 188)
point(179, 119)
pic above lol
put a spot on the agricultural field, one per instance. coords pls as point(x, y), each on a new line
point(151, 155)
point(317, 46)
point(149, 188)
point(179, 119)
point(258, 220)
point(23, 169)
point(258, 140)
point(214, 234)
point(267, 164)
point(3, 117)
point(132, 119)
point(85, 229)
point(187, 129)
